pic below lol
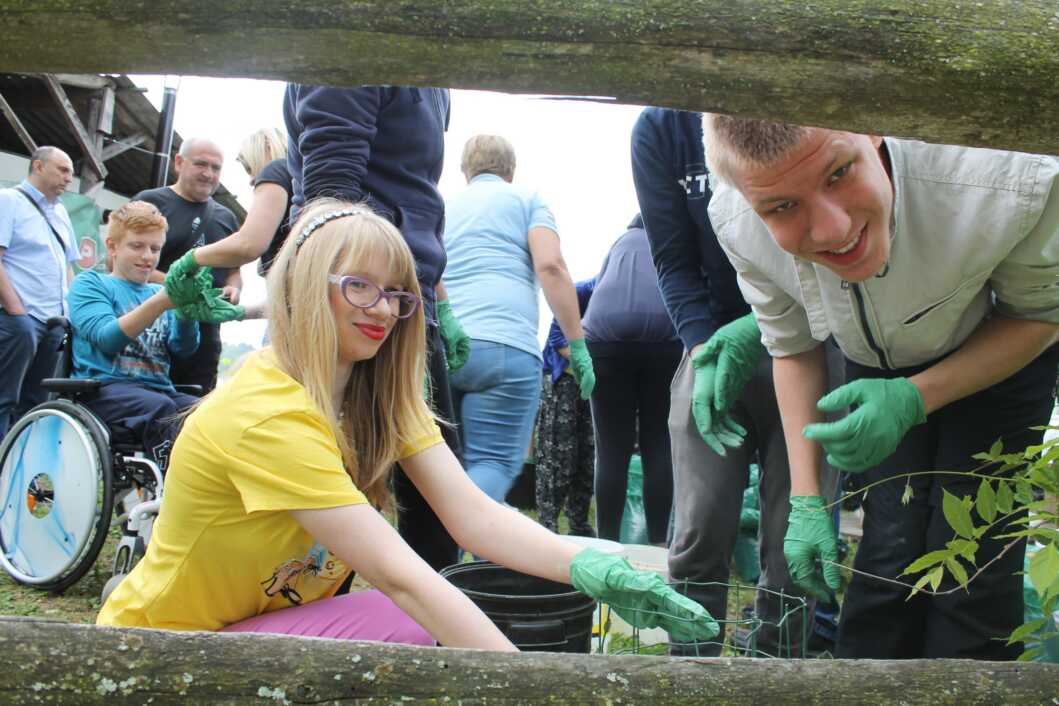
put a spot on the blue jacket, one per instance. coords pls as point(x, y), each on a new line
point(384, 145)
point(697, 281)
point(553, 363)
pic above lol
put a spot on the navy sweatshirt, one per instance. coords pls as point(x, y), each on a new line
point(697, 281)
point(383, 145)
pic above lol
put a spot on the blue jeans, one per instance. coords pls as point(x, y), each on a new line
point(496, 395)
point(28, 354)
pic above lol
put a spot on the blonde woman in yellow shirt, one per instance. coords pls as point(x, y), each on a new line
point(277, 480)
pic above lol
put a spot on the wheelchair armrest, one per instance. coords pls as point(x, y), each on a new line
point(194, 390)
point(70, 386)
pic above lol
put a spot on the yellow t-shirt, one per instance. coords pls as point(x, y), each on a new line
point(225, 546)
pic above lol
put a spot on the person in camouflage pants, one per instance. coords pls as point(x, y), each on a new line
point(566, 450)
point(566, 455)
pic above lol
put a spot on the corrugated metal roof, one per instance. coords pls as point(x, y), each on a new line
point(129, 172)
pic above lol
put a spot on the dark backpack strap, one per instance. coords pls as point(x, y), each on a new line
point(62, 243)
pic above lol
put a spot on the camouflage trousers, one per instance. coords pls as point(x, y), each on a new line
point(565, 456)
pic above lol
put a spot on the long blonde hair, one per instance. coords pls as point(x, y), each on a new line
point(260, 148)
point(383, 409)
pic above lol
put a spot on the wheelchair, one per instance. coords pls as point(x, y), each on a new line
point(64, 477)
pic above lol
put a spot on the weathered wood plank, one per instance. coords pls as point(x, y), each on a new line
point(977, 73)
point(50, 662)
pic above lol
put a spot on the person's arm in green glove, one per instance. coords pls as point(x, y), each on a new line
point(883, 412)
point(210, 308)
point(641, 598)
point(581, 365)
point(723, 366)
point(457, 342)
point(186, 280)
point(811, 548)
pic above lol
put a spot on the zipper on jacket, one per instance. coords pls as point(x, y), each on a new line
point(872, 343)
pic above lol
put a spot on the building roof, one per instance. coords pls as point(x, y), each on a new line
point(128, 172)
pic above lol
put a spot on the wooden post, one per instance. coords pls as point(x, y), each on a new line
point(81, 136)
point(50, 662)
point(20, 129)
point(973, 73)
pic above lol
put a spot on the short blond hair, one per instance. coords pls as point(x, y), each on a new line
point(260, 148)
point(134, 217)
point(733, 143)
point(488, 154)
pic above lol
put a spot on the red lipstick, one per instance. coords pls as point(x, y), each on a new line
point(375, 333)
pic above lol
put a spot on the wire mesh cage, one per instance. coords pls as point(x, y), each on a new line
point(759, 622)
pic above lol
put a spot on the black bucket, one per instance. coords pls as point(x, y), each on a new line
point(536, 614)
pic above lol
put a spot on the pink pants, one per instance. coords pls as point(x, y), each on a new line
point(363, 615)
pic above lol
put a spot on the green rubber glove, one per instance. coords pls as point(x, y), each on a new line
point(641, 598)
point(581, 365)
point(211, 309)
point(723, 366)
point(811, 538)
point(884, 411)
point(185, 281)
point(457, 342)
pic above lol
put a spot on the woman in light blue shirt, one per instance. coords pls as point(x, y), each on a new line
point(502, 244)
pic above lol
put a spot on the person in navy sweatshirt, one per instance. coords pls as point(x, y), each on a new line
point(384, 146)
point(710, 470)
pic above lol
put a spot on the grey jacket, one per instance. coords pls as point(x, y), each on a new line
point(974, 230)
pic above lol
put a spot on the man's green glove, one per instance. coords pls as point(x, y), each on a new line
point(723, 366)
point(457, 342)
point(581, 365)
point(211, 309)
point(185, 280)
point(641, 598)
point(811, 537)
point(884, 411)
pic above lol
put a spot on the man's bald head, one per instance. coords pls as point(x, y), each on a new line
point(198, 168)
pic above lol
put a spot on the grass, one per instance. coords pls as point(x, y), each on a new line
point(81, 602)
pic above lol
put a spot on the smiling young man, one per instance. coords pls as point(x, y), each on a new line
point(126, 335)
point(936, 270)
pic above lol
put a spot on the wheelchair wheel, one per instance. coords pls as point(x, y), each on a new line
point(56, 494)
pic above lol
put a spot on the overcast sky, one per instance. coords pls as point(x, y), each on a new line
point(576, 154)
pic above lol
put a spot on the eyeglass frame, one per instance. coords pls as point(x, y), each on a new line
point(341, 280)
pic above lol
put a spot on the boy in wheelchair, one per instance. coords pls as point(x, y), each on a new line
point(125, 333)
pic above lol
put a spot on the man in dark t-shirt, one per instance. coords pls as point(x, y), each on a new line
point(195, 219)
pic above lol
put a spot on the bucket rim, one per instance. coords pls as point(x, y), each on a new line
point(480, 564)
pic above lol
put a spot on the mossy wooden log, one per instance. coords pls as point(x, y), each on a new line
point(51, 662)
point(980, 72)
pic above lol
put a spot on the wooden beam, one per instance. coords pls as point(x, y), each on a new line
point(121, 146)
point(981, 73)
point(93, 81)
point(81, 136)
point(20, 129)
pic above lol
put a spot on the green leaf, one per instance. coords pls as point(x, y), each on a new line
point(906, 496)
point(964, 547)
point(919, 586)
point(996, 449)
point(1005, 499)
point(957, 514)
point(1044, 569)
point(985, 503)
point(1030, 655)
point(1023, 492)
point(929, 559)
point(1026, 629)
point(956, 569)
point(935, 577)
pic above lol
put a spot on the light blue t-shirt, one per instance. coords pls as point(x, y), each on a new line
point(33, 260)
point(489, 277)
point(102, 350)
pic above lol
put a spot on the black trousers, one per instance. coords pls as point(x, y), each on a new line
point(878, 619)
point(632, 390)
point(416, 521)
point(199, 368)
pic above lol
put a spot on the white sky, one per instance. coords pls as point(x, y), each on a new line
point(575, 153)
